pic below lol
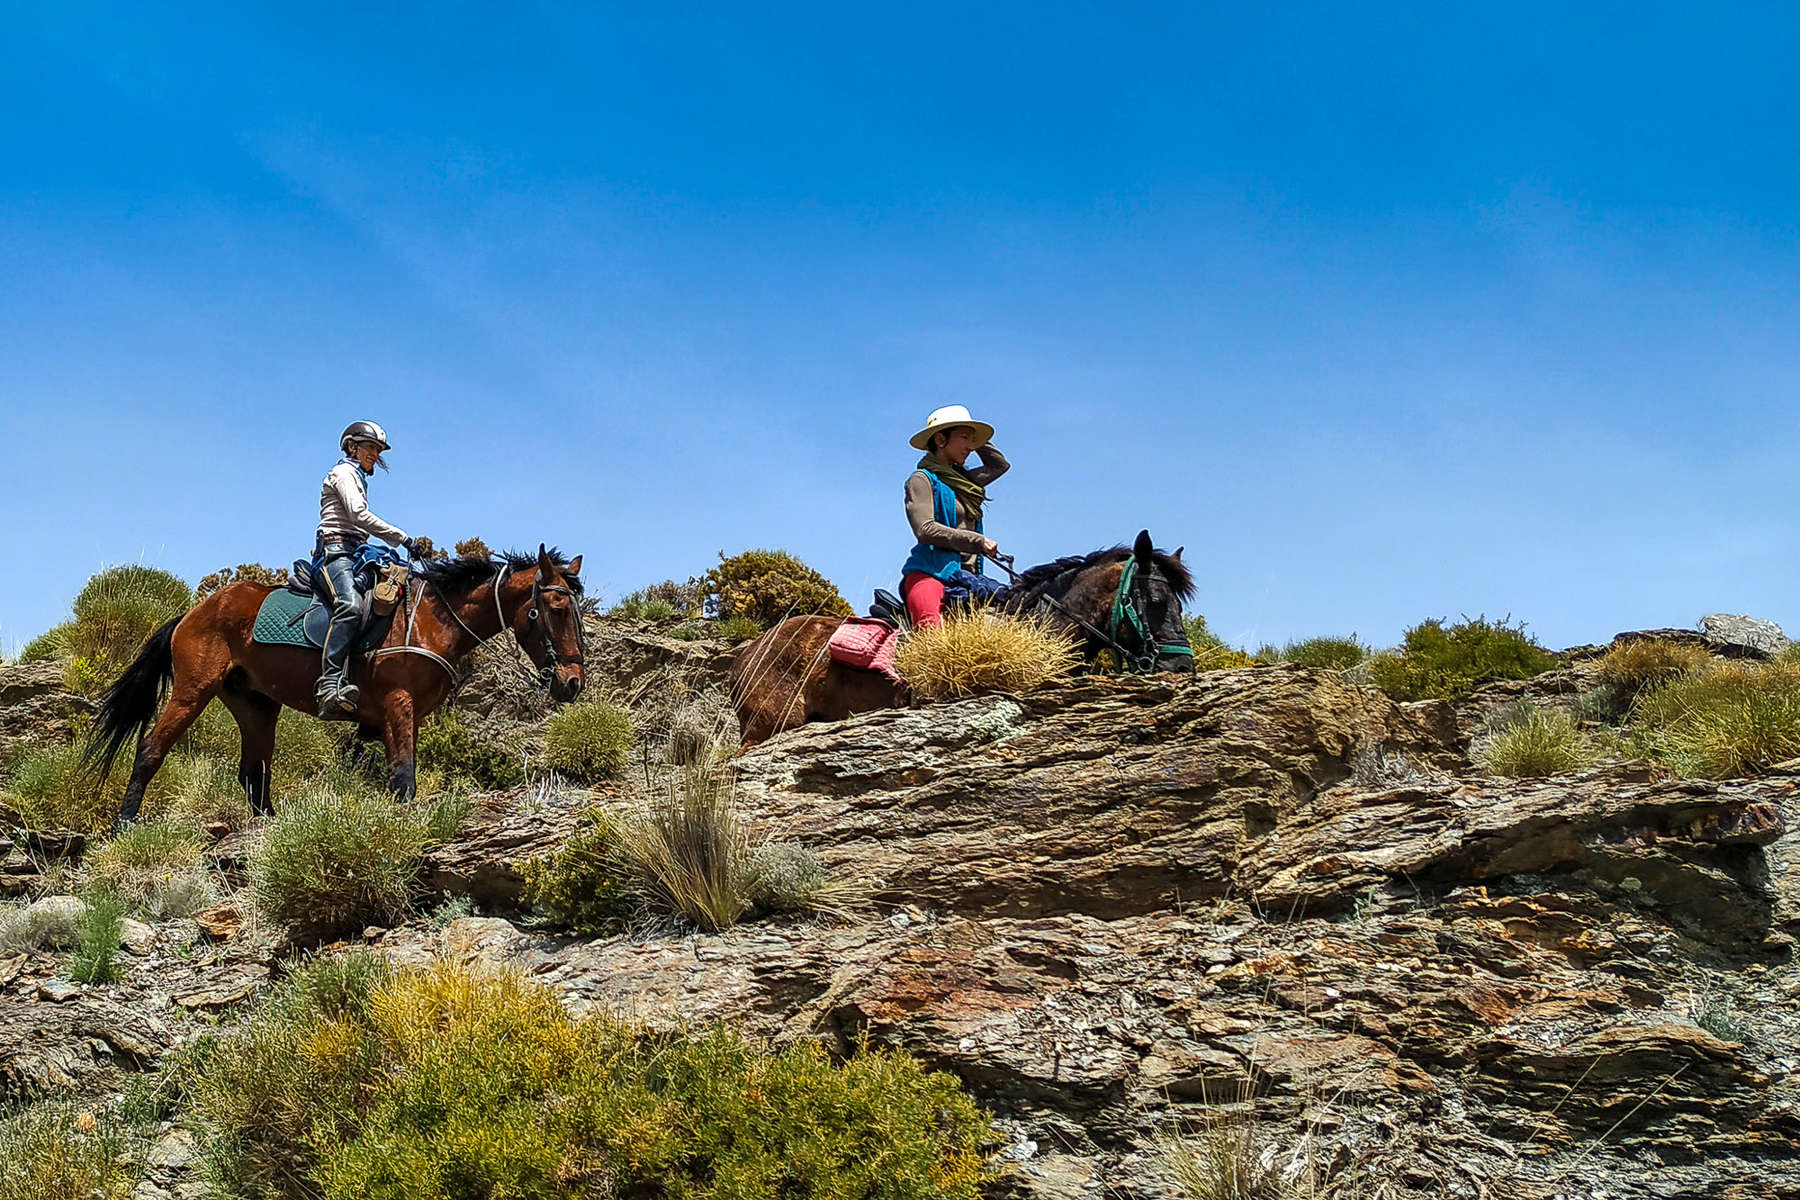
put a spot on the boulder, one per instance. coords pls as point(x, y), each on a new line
point(1742, 636)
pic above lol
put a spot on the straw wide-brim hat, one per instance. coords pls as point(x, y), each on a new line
point(949, 417)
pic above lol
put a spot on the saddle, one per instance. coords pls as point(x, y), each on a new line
point(296, 616)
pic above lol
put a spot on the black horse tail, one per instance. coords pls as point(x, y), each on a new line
point(130, 704)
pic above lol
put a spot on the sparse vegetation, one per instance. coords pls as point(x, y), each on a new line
point(1730, 719)
point(1530, 742)
point(156, 868)
point(737, 628)
point(1439, 661)
point(769, 585)
point(334, 858)
point(583, 887)
point(983, 652)
point(665, 601)
point(445, 1082)
point(1211, 652)
point(589, 741)
point(51, 789)
point(448, 745)
point(94, 958)
point(1633, 666)
point(473, 547)
point(306, 750)
point(686, 850)
point(1322, 653)
point(26, 927)
point(115, 613)
point(242, 573)
point(59, 1150)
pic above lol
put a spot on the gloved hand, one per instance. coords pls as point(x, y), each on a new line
point(416, 547)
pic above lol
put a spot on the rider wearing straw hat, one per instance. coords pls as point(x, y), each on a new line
point(943, 505)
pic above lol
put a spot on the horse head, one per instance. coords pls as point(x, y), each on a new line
point(551, 629)
point(1125, 601)
point(1162, 582)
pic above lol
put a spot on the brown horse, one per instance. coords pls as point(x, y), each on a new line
point(787, 677)
point(208, 652)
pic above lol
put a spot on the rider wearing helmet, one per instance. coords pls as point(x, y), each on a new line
point(345, 524)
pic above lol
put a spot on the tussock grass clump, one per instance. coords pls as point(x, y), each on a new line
point(58, 1150)
point(25, 927)
point(770, 585)
point(1731, 719)
point(589, 741)
point(448, 745)
point(1448, 662)
point(1230, 1160)
point(50, 644)
point(665, 601)
point(737, 629)
point(983, 652)
point(584, 887)
point(1531, 742)
point(686, 849)
point(156, 868)
point(789, 877)
point(447, 1082)
point(115, 613)
point(334, 859)
point(1649, 662)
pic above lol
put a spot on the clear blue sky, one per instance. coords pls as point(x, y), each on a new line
point(1383, 311)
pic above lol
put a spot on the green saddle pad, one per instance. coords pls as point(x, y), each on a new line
point(278, 621)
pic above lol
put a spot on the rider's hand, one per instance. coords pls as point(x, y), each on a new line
point(990, 547)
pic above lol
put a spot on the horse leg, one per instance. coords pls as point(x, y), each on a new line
point(256, 715)
point(399, 732)
point(187, 698)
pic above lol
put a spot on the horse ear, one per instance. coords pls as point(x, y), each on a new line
point(546, 568)
point(574, 567)
point(1144, 546)
point(1177, 555)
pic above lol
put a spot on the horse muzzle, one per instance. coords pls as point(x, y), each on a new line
point(564, 688)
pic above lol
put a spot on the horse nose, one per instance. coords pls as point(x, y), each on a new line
point(575, 687)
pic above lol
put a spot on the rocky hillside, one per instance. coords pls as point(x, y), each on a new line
point(1261, 912)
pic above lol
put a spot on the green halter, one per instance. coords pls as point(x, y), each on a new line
point(1125, 612)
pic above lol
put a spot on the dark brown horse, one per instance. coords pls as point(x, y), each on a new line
point(787, 677)
point(208, 652)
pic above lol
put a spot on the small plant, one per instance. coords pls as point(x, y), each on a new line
point(448, 745)
point(1321, 653)
point(473, 547)
point(582, 887)
point(334, 859)
point(53, 643)
point(454, 908)
point(1728, 720)
point(1530, 742)
point(1715, 1013)
point(1449, 662)
point(1211, 653)
point(737, 629)
point(97, 938)
point(983, 652)
point(36, 926)
point(60, 1150)
point(1633, 666)
point(687, 850)
point(1228, 1160)
point(155, 867)
point(589, 741)
point(770, 585)
point(665, 601)
point(788, 877)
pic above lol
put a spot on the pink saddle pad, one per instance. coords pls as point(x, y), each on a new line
point(866, 643)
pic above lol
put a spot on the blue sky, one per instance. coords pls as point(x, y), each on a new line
point(1383, 312)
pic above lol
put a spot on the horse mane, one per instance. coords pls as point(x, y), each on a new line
point(457, 577)
point(1040, 579)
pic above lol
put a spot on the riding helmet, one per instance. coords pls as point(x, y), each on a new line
point(364, 431)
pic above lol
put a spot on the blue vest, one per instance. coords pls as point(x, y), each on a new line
point(939, 564)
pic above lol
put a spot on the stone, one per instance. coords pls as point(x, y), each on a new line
point(1742, 636)
point(172, 1152)
point(58, 991)
point(136, 936)
point(221, 921)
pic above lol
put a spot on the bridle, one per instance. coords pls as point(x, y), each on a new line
point(1130, 603)
point(537, 616)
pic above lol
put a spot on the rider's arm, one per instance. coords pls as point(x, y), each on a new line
point(356, 505)
point(993, 465)
point(921, 514)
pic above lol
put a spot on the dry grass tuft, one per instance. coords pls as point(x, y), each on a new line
point(985, 652)
point(1727, 720)
point(687, 848)
point(1649, 662)
point(1532, 742)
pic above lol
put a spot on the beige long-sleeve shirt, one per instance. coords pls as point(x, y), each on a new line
point(921, 509)
point(344, 510)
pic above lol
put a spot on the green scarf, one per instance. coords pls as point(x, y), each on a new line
point(972, 494)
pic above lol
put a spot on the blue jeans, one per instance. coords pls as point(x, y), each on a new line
point(966, 586)
point(337, 587)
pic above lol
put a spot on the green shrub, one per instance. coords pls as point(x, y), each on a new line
point(687, 850)
point(1321, 653)
point(770, 585)
point(223, 578)
point(50, 788)
point(94, 959)
point(115, 614)
point(1728, 720)
point(665, 601)
point(156, 868)
point(52, 643)
point(59, 1150)
point(444, 1082)
point(1647, 662)
point(788, 877)
point(448, 745)
point(589, 741)
point(25, 927)
point(335, 859)
point(737, 629)
point(1211, 653)
point(1449, 662)
point(209, 794)
point(1532, 742)
point(473, 547)
point(583, 886)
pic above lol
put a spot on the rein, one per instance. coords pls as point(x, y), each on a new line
point(1127, 610)
point(540, 624)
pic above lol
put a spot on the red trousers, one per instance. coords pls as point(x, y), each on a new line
point(924, 596)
